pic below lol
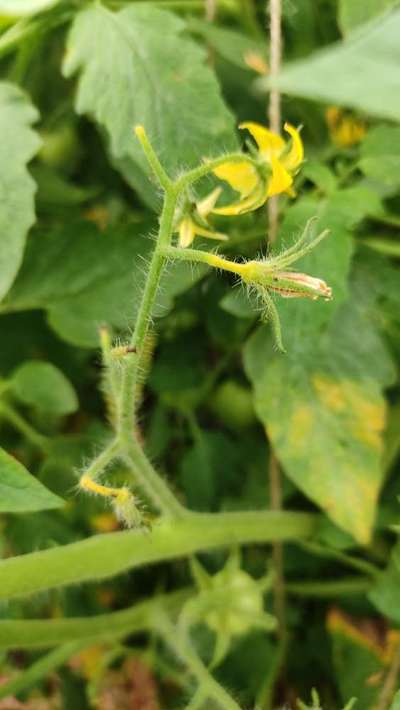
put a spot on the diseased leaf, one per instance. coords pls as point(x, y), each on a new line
point(43, 386)
point(84, 277)
point(157, 78)
point(323, 408)
point(17, 146)
point(360, 72)
point(20, 491)
point(355, 645)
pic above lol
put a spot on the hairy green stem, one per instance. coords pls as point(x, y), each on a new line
point(103, 556)
point(149, 480)
point(152, 158)
point(39, 633)
point(206, 257)
point(132, 370)
point(183, 649)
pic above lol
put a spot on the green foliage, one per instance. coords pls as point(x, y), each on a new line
point(380, 155)
point(21, 492)
point(19, 144)
point(150, 80)
point(43, 386)
point(361, 72)
point(353, 13)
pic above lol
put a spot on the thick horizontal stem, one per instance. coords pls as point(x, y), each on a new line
point(38, 633)
point(103, 556)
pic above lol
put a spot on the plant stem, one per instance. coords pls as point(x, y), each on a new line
point(129, 380)
point(360, 565)
point(149, 480)
point(206, 257)
point(40, 669)
point(37, 633)
point(103, 556)
point(330, 588)
point(153, 160)
point(102, 460)
point(13, 417)
point(185, 652)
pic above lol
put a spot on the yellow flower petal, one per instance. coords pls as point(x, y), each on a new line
point(269, 143)
point(348, 132)
point(248, 204)
point(205, 206)
point(241, 176)
point(186, 232)
point(202, 232)
point(296, 154)
point(280, 180)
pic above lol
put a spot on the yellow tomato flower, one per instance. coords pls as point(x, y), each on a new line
point(194, 221)
point(345, 130)
point(277, 162)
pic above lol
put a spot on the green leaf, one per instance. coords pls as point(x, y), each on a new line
point(84, 277)
point(385, 594)
point(320, 175)
point(43, 386)
point(20, 8)
point(323, 409)
point(329, 261)
point(355, 648)
point(396, 702)
point(230, 44)
point(353, 13)
point(17, 146)
point(157, 78)
point(380, 155)
point(20, 491)
point(361, 72)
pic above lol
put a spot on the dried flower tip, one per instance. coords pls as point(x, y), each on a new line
point(126, 508)
point(296, 285)
point(122, 350)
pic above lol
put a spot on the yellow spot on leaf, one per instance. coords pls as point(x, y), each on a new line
point(300, 427)
point(363, 412)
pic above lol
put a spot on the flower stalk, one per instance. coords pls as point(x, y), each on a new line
point(123, 364)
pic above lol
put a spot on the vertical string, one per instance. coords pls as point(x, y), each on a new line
point(275, 482)
point(274, 108)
